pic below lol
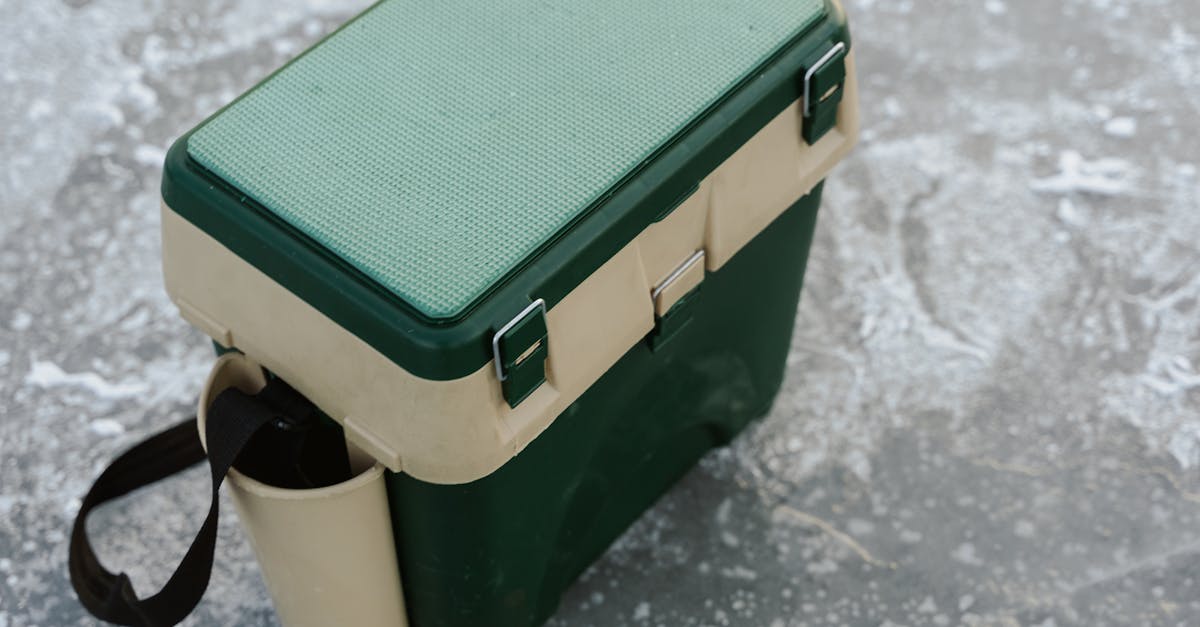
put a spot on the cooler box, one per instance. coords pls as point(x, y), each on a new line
point(534, 257)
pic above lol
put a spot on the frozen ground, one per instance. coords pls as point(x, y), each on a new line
point(992, 410)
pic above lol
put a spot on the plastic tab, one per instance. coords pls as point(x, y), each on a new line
point(668, 325)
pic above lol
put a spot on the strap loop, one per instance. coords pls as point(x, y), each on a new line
point(233, 420)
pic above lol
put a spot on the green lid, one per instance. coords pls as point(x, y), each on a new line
point(435, 146)
point(429, 169)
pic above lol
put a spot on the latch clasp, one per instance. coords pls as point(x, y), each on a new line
point(824, 84)
point(673, 299)
point(519, 351)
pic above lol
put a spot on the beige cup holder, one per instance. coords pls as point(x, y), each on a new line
point(327, 554)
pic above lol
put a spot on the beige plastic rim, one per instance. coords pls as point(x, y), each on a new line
point(458, 431)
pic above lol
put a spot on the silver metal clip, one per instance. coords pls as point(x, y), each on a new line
point(812, 71)
point(683, 268)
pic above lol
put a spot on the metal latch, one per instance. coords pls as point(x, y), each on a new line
point(519, 351)
point(674, 298)
point(824, 84)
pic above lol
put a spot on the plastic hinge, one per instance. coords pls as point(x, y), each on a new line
point(519, 351)
point(824, 85)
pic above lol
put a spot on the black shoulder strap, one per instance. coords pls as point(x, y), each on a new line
point(233, 419)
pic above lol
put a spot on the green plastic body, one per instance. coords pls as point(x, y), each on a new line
point(501, 551)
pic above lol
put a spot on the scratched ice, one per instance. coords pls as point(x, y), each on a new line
point(992, 408)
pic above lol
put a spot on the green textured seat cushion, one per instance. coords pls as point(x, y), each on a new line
point(435, 146)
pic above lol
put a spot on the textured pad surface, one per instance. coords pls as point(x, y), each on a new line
point(436, 145)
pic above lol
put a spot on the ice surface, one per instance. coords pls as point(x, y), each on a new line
point(992, 407)
point(47, 375)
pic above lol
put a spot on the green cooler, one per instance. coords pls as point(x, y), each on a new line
point(535, 257)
